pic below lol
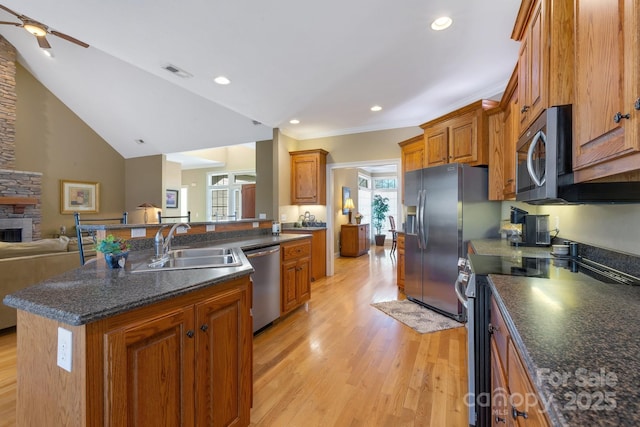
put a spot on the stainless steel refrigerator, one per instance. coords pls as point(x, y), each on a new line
point(446, 207)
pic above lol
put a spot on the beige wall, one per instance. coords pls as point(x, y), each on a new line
point(144, 184)
point(52, 140)
point(347, 177)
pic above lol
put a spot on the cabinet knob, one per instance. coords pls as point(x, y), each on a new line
point(524, 109)
point(190, 333)
point(493, 329)
point(515, 413)
point(500, 420)
point(619, 116)
point(204, 328)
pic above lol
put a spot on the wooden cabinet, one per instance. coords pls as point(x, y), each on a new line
point(461, 136)
point(400, 267)
point(184, 361)
point(514, 401)
point(503, 136)
point(413, 156)
point(308, 177)
point(354, 239)
point(606, 112)
point(318, 251)
point(296, 274)
point(545, 62)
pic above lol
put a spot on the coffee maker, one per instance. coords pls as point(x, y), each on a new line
point(535, 228)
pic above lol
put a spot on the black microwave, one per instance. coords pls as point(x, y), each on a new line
point(544, 156)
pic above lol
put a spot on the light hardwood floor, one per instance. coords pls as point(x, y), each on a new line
point(338, 361)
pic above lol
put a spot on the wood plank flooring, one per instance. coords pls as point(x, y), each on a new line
point(337, 361)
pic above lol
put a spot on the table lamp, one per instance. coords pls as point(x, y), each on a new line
point(144, 206)
point(348, 204)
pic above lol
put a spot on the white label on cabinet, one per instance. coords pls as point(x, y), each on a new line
point(211, 227)
point(181, 230)
point(138, 232)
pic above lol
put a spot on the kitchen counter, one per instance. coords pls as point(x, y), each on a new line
point(576, 340)
point(94, 292)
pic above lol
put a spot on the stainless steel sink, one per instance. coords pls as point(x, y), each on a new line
point(183, 259)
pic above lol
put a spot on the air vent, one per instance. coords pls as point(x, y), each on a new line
point(255, 122)
point(177, 71)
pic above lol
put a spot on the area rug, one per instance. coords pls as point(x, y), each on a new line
point(417, 317)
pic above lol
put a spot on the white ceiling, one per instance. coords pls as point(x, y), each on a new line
point(324, 63)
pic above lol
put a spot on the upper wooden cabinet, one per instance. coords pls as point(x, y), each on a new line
point(461, 136)
point(545, 62)
point(606, 116)
point(412, 154)
point(308, 173)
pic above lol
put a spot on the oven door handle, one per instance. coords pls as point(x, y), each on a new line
point(536, 139)
point(460, 290)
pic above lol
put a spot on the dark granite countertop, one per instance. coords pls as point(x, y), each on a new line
point(576, 338)
point(94, 292)
point(578, 342)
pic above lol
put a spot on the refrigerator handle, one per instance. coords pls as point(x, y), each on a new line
point(425, 221)
point(460, 293)
point(419, 220)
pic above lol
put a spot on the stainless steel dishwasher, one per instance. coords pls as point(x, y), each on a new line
point(266, 285)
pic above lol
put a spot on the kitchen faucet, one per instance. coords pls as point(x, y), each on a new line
point(163, 244)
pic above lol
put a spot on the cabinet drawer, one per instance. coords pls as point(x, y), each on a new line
point(296, 250)
point(500, 335)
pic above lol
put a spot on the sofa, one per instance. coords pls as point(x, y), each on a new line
point(29, 263)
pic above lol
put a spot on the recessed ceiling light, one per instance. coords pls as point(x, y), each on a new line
point(441, 23)
point(376, 108)
point(222, 80)
point(294, 121)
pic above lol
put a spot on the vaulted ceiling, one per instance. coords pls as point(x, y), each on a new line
point(322, 63)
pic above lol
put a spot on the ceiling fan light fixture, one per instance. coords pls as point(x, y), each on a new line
point(35, 29)
point(441, 23)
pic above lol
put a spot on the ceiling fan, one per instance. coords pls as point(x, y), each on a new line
point(38, 29)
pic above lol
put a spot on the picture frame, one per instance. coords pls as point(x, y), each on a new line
point(172, 199)
point(346, 193)
point(79, 196)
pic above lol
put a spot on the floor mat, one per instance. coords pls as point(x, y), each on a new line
point(417, 317)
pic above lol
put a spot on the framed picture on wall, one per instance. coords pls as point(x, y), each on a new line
point(78, 196)
point(172, 198)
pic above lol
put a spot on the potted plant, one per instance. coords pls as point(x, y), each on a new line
point(379, 210)
point(115, 250)
point(359, 217)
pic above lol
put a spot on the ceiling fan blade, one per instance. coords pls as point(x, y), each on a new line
point(11, 23)
point(69, 38)
point(43, 43)
point(6, 9)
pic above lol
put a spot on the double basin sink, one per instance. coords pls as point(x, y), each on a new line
point(183, 259)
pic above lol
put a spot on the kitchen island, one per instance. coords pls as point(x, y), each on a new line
point(575, 340)
point(101, 347)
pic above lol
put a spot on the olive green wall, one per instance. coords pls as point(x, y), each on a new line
point(346, 177)
point(144, 184)
point(52, 140)
point(267, 169)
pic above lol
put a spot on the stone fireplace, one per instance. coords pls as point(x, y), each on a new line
point(20, 191)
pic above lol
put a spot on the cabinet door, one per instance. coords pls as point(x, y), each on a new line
point(463, 147)
point(510, 138)
point(289, 286)
point(363, 239)
point(304, 178)
point(413, 155)
point(500, 409)
point(349, 240)
point(223, 363)
point(531, 85)
point(303, 280)
point(150, 367)
point(437, 143)
point(529, 411)
point(607, 83)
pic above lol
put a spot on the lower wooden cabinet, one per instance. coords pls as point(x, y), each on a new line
point(514, 401)
point(318, 251)
point(354, 239)
point(181, 362)
point(295, 274)
point(400, 266)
